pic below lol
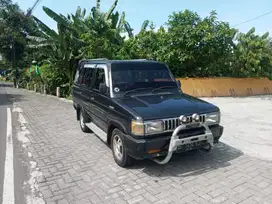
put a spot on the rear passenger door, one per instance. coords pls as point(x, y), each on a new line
point(101, 101)
point(86, 88)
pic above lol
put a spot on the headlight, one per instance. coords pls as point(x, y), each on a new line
point(146, 128)
point(213, 118)
point(152, 127)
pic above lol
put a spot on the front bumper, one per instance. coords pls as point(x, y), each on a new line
point(150, 148)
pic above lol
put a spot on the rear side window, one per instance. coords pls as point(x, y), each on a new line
point(76, 81)
point(84, 74)
point(79, 75)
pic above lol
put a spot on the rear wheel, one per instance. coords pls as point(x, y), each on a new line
point(119, 150)
point(82, 120)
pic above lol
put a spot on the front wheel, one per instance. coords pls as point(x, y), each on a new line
point(83, 126)
point(119, 150)
point(207, 148)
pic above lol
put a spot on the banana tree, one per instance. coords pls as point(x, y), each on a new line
point(106, 31)
point(98, 34)
point(63, 47)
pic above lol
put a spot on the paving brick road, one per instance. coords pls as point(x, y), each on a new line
point(79, 168)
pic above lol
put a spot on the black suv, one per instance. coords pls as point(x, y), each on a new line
point(137, 107)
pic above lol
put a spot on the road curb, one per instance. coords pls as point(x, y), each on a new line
point(48, 95)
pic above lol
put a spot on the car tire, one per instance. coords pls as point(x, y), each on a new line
point(119, 150)
point(207, 148)
point(82, 123)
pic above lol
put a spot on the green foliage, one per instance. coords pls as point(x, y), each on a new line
point(253, 55)
point(64, 46)
point(190, 45)
point(10, 19)
point(103, 34)
point(4, 3)
point(52, 78)
point(195, 46)
point(145, 45)
point(14, 27)
point(93, 36)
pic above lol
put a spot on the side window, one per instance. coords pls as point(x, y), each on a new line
point(85, 74)
point(99, 77)
point(87, 77)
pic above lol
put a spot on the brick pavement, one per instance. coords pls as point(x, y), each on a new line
point(79, 168)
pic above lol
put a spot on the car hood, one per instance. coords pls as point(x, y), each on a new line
point(159, 106)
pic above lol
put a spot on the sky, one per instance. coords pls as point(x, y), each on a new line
point(233, 11)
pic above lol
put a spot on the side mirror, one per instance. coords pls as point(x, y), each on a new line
point(103, 88)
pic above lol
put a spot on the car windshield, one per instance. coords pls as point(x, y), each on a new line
point(129, 76)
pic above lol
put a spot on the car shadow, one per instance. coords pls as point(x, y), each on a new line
point(6, 84)
point(191, 163)
point(8, 99)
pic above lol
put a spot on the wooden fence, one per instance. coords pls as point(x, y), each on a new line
point(213, 87)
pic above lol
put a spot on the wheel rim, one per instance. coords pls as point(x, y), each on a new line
point(118, 147)
point(81, 120)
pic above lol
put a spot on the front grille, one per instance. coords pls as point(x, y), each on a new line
point(173, 123)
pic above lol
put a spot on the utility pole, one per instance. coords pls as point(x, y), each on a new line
point(14, 66)
point(32, 8)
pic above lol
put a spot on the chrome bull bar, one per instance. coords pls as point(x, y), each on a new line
point(175, 141)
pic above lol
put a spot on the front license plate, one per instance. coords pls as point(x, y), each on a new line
point(193, 125)
point(191, 146)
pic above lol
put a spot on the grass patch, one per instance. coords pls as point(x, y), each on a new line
point(69, 97)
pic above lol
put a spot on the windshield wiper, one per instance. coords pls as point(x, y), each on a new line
point(135, 90)
point(163, 87)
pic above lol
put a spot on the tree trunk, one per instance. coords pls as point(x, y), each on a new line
point(14, 83)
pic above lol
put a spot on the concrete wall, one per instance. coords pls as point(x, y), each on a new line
point(212, 87)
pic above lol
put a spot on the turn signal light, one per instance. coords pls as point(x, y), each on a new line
point(137, 128)
point(153, 151)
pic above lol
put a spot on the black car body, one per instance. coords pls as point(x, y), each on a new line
point(136, 105)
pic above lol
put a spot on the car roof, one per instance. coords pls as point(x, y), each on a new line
point(105, 61)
